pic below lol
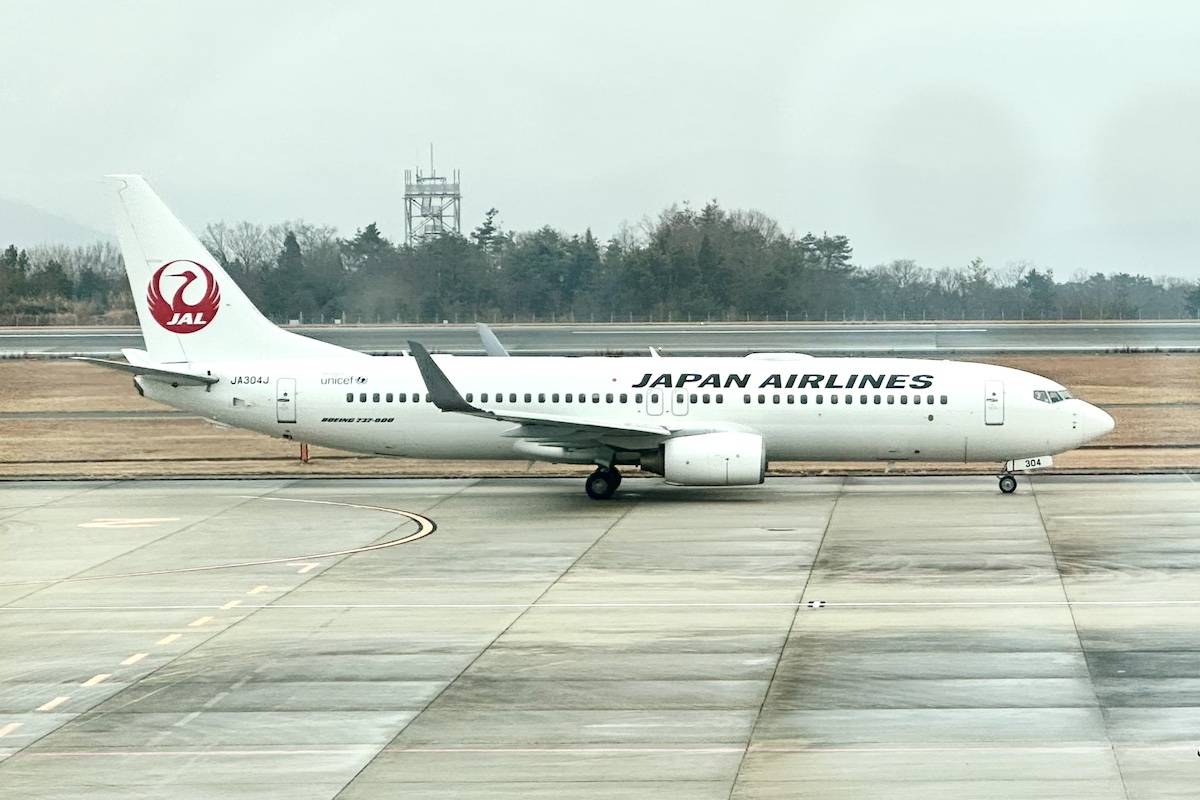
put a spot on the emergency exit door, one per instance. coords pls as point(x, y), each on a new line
point(285, 400)
point(993, 402)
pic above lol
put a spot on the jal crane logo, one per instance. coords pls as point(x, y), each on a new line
point(178, 315)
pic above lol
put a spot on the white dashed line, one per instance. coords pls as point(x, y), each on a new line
point(133, 659)
point(95, 679)
point(53, 704)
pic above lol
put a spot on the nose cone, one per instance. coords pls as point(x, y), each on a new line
point(1095, 422)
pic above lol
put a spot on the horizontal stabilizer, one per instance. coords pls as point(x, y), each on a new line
point(174, 377)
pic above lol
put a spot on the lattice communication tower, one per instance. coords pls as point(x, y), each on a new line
point(432, 205)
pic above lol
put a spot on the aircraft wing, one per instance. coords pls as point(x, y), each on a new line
point(491, 345)
point(542, 427)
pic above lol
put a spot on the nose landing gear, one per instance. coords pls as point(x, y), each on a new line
point(1008, 484)
point(603, 483)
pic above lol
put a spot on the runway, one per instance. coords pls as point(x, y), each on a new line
point(815, 637)
point(876, 338)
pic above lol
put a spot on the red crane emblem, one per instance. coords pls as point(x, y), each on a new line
point(178, 315)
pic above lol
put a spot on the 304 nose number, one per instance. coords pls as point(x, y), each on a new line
point(1038, 462)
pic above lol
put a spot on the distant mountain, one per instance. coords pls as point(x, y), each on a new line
point(26, 226)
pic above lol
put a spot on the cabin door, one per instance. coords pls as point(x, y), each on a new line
point(654, 402)
point(679, 402)
point(993, 402)
point(285, 400)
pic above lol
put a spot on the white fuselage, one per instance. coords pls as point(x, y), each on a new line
point(805, 408)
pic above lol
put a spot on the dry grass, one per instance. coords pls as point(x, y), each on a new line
point(139, 447)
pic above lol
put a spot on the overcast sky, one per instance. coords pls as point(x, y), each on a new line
point(1066, 134)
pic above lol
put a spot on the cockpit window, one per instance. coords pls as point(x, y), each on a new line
point(1051, 397)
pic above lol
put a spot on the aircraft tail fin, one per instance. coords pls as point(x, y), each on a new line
point(188, 306)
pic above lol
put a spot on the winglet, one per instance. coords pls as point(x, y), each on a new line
point(491, 345)
point(441, 390)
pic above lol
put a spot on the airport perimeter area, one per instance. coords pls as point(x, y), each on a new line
point(814, 637)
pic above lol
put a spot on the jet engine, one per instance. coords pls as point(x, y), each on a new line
point(710, 459)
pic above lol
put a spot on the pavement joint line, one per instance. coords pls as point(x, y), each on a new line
point(170, 637)
point(53, 704)
point(1106, 726)
point(97, 679)
point(133, 659)
point(196, 623)
point(787, 637)
point(9, 728)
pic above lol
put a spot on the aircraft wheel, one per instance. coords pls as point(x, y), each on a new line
point(602, 483)
point(616, 474)
point(1008, 484)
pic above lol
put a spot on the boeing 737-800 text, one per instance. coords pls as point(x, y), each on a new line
point(695, 421)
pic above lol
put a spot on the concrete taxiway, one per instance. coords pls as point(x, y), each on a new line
point(816, 637)
point(833, 338)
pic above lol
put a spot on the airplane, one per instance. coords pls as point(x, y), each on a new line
point(695, 421)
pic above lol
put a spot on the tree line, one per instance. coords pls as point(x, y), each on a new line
point(685, 264)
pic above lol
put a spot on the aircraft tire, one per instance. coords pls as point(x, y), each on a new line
point(1008, 484)
point(601, 484)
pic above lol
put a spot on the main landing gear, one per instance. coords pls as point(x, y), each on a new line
point(1008, 484)
point(602, 483)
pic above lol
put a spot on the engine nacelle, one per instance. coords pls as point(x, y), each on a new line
point(711, 459)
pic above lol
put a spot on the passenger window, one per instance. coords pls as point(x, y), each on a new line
point(427, 397)
point(554, 397)
point(608, 398)
point(916, 399)
point(692, 399)
point(541, 397)
point(389, 397)
point(512, 397)
point(820, 399)
point(833, 398)
point(706, 399)
point(745, 398)
point(375, 397)
point(362, 398)
point(762, 398)
point(624, 397)
point(863, 399)
point(929, 399)
point(849, 399)
point(402, 397)
point(482, 398)
point(568, 397)
point(528, 397)
point(945, 400)
point(903, 399)
point(877, 399)
point(791, 399)
point(775, 399)
point(891, 399)
point(803, 399)
point(582, 397)
point(720, 398)
point(349, 397)
point(595, 398)
point(653, 397)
